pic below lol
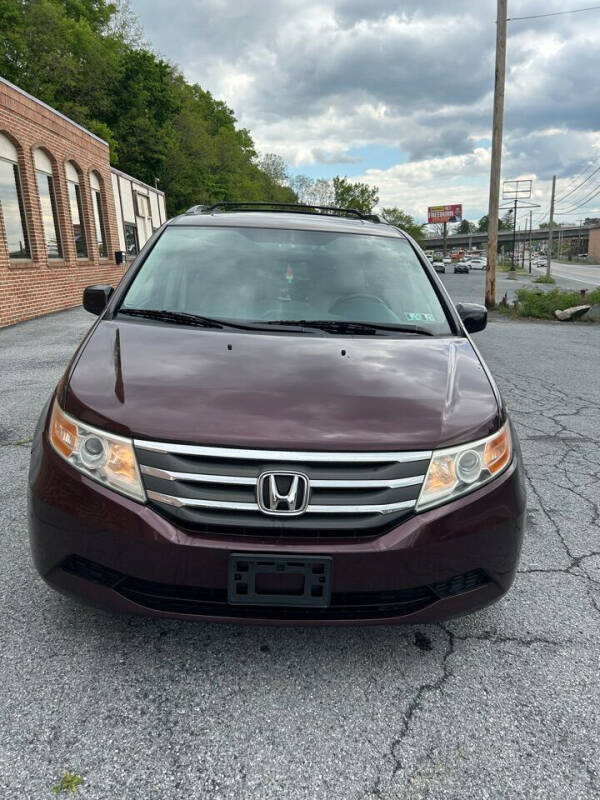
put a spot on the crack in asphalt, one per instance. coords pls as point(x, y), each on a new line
point(416, 703)
point(553, 411)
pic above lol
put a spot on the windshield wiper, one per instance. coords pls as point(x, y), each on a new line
point(343, 326)
point(183, 318)
point(178, 317)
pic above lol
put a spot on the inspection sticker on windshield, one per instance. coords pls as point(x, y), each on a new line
point(418, 316)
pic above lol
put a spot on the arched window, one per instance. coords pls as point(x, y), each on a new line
point(45, 182)
point(98, 215)
point(76, 207)
point(11, 201)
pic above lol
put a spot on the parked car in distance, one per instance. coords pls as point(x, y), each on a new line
point(447, 260)
point(439, 266)
point(461, 267)
point(279, 416)
point(477, 263)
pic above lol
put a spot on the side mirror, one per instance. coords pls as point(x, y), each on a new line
point(473, 315)
point(95, 298)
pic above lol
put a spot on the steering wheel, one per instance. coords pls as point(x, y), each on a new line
point(370, 298)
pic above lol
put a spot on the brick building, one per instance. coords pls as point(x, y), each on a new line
point(594, 244)
point(64, 213)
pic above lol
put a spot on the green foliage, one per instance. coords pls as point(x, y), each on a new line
point(542, 304)
point(69, 783)
point(313, 191)
point(465, 227)
point(544, 279)
point(86, 59)
point(395, 216)
point(360, 196)
point(275, 167)
point(504, 224)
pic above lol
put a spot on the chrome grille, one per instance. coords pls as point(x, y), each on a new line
point(214, 488)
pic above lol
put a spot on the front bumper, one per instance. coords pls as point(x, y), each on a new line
point(114, 553)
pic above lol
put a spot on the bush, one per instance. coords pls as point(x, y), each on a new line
point(544, 279)
point(532, 303)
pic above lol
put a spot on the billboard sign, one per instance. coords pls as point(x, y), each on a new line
point(451, 213)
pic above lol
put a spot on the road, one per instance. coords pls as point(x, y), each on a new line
point(576, 276)
point(500, 704)
point(471, 287)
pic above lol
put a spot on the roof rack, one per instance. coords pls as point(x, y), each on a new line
point(296, 208)
point(195, 209)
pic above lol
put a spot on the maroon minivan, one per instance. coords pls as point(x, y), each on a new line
point(279, 416)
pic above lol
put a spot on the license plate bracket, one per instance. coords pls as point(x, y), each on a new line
point(279, 580)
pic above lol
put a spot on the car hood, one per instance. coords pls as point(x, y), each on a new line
point(171, 383)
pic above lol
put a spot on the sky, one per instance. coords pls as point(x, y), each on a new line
point(399, 94)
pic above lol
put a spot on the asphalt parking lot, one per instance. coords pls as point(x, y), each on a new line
point(502, 704)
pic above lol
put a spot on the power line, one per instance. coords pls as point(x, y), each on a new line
point(542, 215)
point(554, 14)
point(591, 175)
point(583, 203)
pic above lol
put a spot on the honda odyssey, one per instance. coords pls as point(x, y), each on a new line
point(279, 415)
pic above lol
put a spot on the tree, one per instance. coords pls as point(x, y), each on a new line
point(87, 59)
point(404, 221)
point(312, 191)
point(435, 230)
point(356, 195)
point(465, 227)
point(275, 167)
point(504, 224)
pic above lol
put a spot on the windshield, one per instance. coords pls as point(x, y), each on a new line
point(257, 275)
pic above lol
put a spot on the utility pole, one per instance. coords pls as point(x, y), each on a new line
point(550, 227)
point(490, 282)
point(530, 245)
point(445, 239)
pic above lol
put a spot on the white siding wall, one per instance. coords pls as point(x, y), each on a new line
point(150, 203)
point(154, 210)
point(126, 199)
point(115, 185)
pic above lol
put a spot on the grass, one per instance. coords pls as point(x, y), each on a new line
point(544, 279)
point(541, 305)
point(69, 783)
point(583, 262)
point(506, 267)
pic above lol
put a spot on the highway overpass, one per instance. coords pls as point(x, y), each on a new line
point(465, 240)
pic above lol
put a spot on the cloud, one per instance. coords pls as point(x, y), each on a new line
point(315, 82)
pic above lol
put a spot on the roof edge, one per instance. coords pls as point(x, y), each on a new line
point(129, 177)
point(54, 111)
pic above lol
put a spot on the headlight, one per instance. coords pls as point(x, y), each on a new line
point(458, 470)
point(102, 456)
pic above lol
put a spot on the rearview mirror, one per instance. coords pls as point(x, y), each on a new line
point(473, 315)
point(96, 297)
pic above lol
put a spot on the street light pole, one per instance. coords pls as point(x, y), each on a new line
point(550, 227)
point(494, 204)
